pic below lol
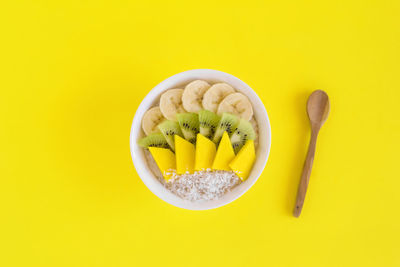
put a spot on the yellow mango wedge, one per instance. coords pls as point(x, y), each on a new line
point(205, 153)
point(225, 154)
point(244, 160)
point(165, 161)
point(185, 155)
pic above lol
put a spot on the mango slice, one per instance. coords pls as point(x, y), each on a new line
point(225, 154)
point(185, 155)
point(244, 160)
point(205, 153)
point(165, 161)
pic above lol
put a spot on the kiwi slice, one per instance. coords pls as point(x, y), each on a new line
point(227, 123)
point(208, 121)
point(154, 139)
point(243, 132)
point(169, 129)
point(189, 123)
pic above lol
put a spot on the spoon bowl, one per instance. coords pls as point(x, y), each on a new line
point(318, 107)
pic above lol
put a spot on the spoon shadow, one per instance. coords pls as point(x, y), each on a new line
point(296, 160)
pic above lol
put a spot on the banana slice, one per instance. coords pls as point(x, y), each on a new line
point(215, 95)
point(237, 104)
point(192, 96)
point(151, 119)
point(171, 103)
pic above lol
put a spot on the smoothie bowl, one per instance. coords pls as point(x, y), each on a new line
point(200, 139)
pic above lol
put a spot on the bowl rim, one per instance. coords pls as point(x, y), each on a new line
point(143, 171)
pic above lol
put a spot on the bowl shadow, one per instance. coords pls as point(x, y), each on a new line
point(92, 126)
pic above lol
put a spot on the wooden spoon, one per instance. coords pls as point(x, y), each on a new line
point(318, 110)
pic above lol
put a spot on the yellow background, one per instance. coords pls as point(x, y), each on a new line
point(74, 72)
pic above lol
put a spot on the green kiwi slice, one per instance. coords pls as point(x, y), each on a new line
point(243, 132)
point(169, 129)
point(208, 121)
point(189, 123)
point(227, 123)
point(153, 140)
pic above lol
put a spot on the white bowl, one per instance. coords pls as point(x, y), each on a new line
point(178, 81)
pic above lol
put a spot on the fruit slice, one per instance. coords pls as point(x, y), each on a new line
point(151, 119)
point(185, 155)
point(208, 123)
point(224, 154)
point(215, 94)
point(153, 140)
point(243, 132)
point(237, 104)
point(205, 153)
point(165, 160)
point(244, 160)
point(169, 129)
point(171, 103)
point(192, 96)
point(189, 123)
point(227, 123)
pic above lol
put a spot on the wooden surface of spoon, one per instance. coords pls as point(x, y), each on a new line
point(318, 107)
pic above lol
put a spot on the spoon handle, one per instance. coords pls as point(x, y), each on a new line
point(305, 177)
